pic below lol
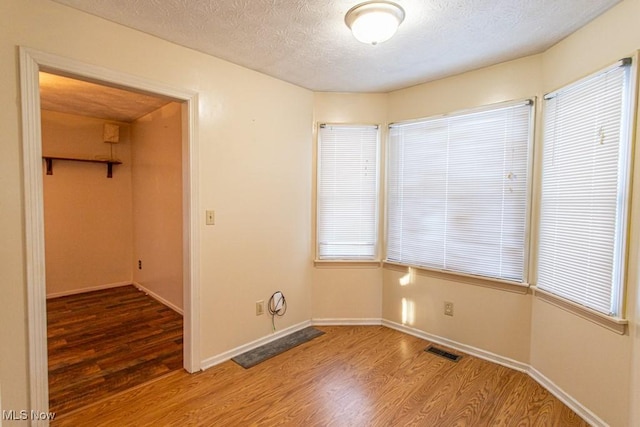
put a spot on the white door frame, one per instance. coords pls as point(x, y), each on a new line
point(31, 62)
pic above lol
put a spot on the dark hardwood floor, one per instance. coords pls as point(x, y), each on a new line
point(103, 342)
point(350, 376)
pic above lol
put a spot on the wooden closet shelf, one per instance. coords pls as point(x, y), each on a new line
point(49, 160)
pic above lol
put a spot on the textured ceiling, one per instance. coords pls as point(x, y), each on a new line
point(72, 96)
point(306, 42)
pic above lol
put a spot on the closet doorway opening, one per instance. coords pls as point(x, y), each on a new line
point(113, 238)
point(110, 230)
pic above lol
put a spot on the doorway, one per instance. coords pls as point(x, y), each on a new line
point(32, 62)
point(113, 238)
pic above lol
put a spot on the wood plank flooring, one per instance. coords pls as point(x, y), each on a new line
point(103, 342)
point(350, 376)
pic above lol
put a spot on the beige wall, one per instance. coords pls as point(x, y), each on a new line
point(13, 326)
point(508, 81)
point(255, 149)
point(256, 174)
point(156, 153)
point(493, 320)
point(634, 298)
point(588, 362)
point(87, 215)
point(347, 292)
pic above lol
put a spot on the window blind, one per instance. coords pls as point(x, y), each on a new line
point(457, 192)
point(584, 190)
point(347, 198)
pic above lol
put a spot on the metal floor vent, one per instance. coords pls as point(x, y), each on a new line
point(442, 353)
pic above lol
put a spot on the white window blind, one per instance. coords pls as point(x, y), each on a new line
point(584, 190)
point(347, 192)
point(457, 192)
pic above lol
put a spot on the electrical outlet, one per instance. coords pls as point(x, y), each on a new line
point(259, 308)
point(139, 264)
point(448, 308)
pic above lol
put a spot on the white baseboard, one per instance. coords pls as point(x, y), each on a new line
point(474, 351)
point(346, 322)
point(566, 398)
point(223, 357)
point(89, 289)
point(158, 298)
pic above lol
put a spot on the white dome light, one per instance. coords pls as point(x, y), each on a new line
point(374, 22)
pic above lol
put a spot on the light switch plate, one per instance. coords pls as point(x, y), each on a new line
point(211, 217)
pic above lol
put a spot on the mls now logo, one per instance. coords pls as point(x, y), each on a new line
point(24, 415)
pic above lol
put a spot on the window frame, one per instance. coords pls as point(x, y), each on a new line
point(615, 321)
point(486, 281)
point(345, 261)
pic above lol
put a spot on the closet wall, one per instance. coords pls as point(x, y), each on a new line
point(157, 203)
point(97, 228)
point(88, 222)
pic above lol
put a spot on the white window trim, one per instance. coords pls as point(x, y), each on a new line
point(615, 324)
point(348, 263)
point(454, 276)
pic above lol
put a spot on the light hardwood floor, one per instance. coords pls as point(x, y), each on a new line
point(350, 376)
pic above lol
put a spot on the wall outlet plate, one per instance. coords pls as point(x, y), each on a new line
point(259, 308)
point(448, 308)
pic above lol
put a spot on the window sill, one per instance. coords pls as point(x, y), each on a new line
point(469, 279)
point(615, 324)
point(347, 263)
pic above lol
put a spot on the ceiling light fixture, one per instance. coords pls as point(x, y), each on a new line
point(374, 22)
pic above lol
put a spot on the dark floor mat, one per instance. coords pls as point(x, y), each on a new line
point(264, 352)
